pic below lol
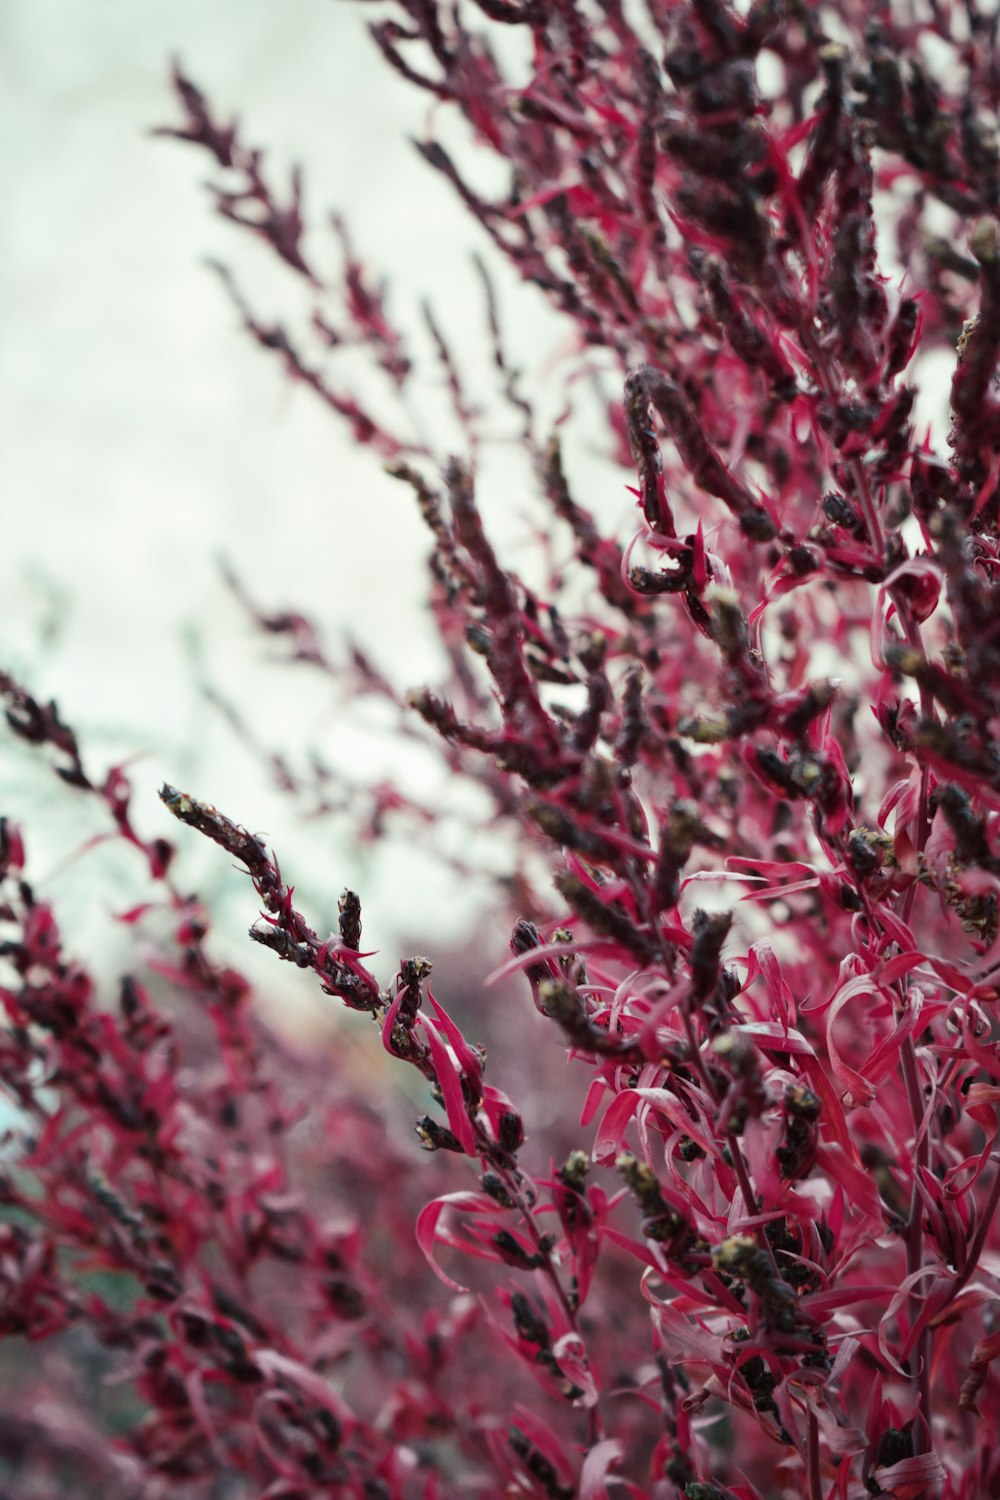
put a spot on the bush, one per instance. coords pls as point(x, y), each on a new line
point(750, 757)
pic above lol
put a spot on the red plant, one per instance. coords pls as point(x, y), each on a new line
point(765, 1261)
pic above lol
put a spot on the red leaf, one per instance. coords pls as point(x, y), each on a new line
point(594, 1474)
point(430, 1233)
point(449, 1079)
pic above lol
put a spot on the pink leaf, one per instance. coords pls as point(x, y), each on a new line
point(449, 1080)
point(617, 1117)
point(429, 1231)
point(467, 1059)
point(541, 1436)
point(311, 1384)
point(593, 1475)
point(923, 1470)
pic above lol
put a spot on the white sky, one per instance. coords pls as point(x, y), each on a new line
point(141, 433)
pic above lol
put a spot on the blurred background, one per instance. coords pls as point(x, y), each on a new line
point(145, 438)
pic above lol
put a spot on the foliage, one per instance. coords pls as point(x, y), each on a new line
point(756, 747)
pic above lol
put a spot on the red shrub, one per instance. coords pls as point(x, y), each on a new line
point(764, 1262)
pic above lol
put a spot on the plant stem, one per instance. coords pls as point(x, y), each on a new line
point(595, 1422)
point(739, 1165)
point(815, 1477)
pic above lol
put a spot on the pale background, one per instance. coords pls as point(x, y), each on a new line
point(143, 435)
